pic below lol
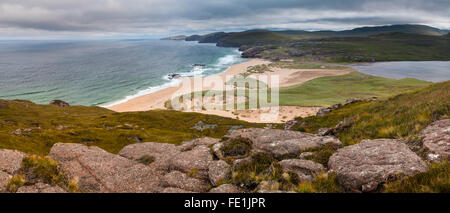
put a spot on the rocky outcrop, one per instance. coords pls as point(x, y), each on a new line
point(227, 188)
point(161, 152)
point(305, 169)
point(326, 110)
point(59, 103)
point(253, 52)
point(10, 163)
point(364, 166)
point(4, 179)
point(182, 181)
point(217, 171)
point(282, 142)
point(206, 141)
point(40, 188)
point(436, 138)
point(11, 160)
point(194, 161)
point(99, 171)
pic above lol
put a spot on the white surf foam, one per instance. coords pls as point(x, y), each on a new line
point(223, 64)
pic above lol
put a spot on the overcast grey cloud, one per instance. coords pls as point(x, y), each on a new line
point(152, 18)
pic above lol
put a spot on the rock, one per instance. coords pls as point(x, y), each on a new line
point(175, 190)
point(206, 141)
point(354, 100)
point(59, 103)
point(161, 152)
point(173, 76)
point(325, 131)
point(196, 160)
point(11, 160)
point(99, 171)
point(4, 180)
point(304, 155)
point(267, 186)
point(305, 169)
point(323, 111)
point(252, 52)
point(182, 181)
point(200, 126)
point(40, 188)
point(227, 188)
point(289, 125)
point(282, 142)
point(217, 171)
point(364, 166)
point(217, 151)
point(436, 138)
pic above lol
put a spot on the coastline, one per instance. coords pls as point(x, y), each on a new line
point(157, 99)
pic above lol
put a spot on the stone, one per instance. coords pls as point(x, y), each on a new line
point(4, 180)
point(59, 103)
point(217, 171)
point(206, 141)
point(175, 190)
point(40, 188)
point(99, 171)
point(11, 160)
point(227, 188)
point(436, 138)
point(367, 165)
point(280, 143)
point(182, 181)
point(217, 150)
point(161, 152)
point(325, 131)
point(305, 169)
point(196, 160)
point(268, 185)
point(289, 125)
point(304, 155)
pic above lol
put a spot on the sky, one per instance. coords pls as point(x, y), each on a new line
point(159, 18)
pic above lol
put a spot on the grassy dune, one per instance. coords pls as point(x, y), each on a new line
point(326, 91)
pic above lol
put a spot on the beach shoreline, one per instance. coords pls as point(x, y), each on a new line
point(287, 77)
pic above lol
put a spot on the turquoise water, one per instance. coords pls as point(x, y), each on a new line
point(434, 71)
point(101, 72)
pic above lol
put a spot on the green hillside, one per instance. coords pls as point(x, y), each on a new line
point(35, 128)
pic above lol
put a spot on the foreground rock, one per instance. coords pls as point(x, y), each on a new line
point(436, 138)
point(217, 171)
point(195, 161)
point(364, 166)
point(161, 152)
point(282, 142)
point(40, 188)
point(206, 141)
point(99, 171)
point(227, 188)
point(305, 169)
point(11, 160)
point(4, 179)
point(182, 181)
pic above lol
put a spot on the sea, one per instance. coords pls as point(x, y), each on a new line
point(103, 72)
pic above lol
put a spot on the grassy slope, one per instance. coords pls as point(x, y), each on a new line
point(330, 90)
point(401, 116)
point(98, 126)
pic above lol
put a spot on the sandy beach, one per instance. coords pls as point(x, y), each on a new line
point(287, 77)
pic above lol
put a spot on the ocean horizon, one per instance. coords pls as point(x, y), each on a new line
point(103, 72)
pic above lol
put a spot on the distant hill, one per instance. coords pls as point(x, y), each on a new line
point(263, 37)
